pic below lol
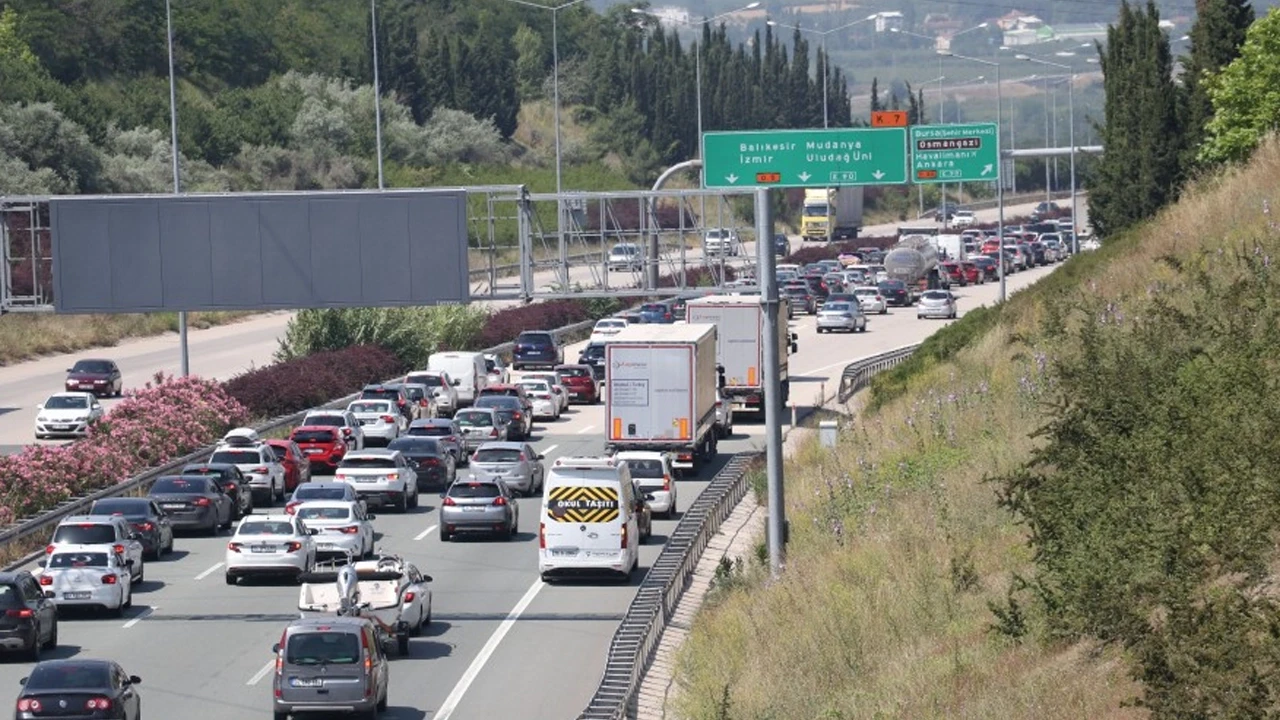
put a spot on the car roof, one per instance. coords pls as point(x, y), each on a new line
point(86, 519)
point(71, 393)
point(340, 623)
point(331, 503)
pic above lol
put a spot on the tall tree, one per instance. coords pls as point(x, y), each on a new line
point(875, 95)
point(400, 68)
point(1245, 105)
point(1139, 168)
point(1216, 37)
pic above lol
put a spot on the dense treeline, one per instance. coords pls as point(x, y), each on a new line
point(273, 91)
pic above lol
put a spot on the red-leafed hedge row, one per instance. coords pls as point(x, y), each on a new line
point(504, 325)
point(287, 387)
point(814, 253)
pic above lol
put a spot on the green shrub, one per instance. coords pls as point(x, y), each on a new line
point(411, 333)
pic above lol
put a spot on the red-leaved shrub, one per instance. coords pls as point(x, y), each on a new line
point(151, 426)
point(294, 385)
point(695, 277)
point(504, 325)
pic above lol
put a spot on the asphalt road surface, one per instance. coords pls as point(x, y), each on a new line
point(503, 644)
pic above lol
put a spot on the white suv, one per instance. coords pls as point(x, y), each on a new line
point(104, 531)
point(257, 462)
point(380, 477)
point(720, 241)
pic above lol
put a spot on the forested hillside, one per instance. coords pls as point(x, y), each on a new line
point(277, 94)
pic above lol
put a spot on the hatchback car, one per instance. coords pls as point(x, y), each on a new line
point(320, 491)
point(479, 506)
point(781, 245)
point(230, 479)
point(154, 529)
point(67, 414)
point(346, 528)
point(297, 464)
point(109, 531)
point(546, 406)
point(580, 381)
point(536, 348)
point(512, 412)
point(625, 257)
point(516, 464)
point(954, 273)
point(381, 477)
point(96, 375)
point(846, 316)
point(435, 465)
point(606, 328)
point(657, 313)
point(380, 420)
point(346, 423)
point(496, 367)
point(652, 473)
point(445, 431)
point(593, 357)
point(193, 502)
point(393, 393)
point(936, 304)
point(323, 446)
point(802, 297)
point(28, 619)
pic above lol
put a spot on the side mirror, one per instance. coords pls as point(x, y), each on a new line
point(275, 648)
point(795, 347)
point(442, 493)
point(650, 497)
point(128, 563)
point(371, 517)
point(22, 681)
point(541, 456)
point(135, 680)
point(456, 383)
point(40, 406)
point(313, 531)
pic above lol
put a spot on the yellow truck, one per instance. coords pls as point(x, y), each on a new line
point(831, 214)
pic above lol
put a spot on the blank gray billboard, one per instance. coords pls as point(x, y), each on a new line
point(257, 251)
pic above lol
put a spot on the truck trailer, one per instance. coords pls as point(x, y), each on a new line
point(739, 321)
point(661, 383)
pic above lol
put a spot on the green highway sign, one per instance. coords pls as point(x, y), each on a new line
point(954, 153)
point(804, 158)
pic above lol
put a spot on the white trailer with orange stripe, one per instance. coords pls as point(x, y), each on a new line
point(660, 391)
point(739, 321)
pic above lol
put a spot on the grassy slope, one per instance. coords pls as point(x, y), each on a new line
point(898, 545)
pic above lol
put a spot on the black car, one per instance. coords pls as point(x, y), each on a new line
point(193, 502)
point(79, 689)
point(29, 622)
point(148, 520)
point(593, 355)
point(435, 465)
point(988, 266)
point(781, 245)
point(511, 411)
point(895, 293)
point(1036, 255)
point(802, 297)
point(536, 348)
point(446, 431)
point(230, 479)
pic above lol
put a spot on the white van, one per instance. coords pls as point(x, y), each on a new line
point(468, 370)
point(588, 522)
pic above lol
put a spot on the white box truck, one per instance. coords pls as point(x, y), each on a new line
point(739, 321)
point(661, 383)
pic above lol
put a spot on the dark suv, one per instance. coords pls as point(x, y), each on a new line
point(895, 292)
point(593, 356)
point(657, 313)
point(28, 619)
point(536, 348)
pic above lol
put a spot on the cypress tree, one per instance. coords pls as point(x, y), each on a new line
point(875, 95)
point(1216, 37)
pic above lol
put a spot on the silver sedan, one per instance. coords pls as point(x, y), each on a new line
point(515, 464)
point(847, 316)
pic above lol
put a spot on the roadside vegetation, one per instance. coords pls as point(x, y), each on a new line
point(1067, 510)
point(24, 336)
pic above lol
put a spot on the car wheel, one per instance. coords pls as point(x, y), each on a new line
point(231, 579)
point(413, 501)
point(445, 535)
point(169, 548)
point(280, 716)
point(53, 635)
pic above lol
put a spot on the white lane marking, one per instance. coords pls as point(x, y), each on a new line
point(586, 429)
point(426, 532)
point(271, 665)
point(210, 571)
point(547, 450)
point(141, 616)
point(468, 677)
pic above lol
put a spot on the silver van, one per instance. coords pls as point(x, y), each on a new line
point(330, 665)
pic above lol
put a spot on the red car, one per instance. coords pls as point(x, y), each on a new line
point(973, 274)
point(323, 445)
point(580, 383)
point(297, 465)
point(955, 272)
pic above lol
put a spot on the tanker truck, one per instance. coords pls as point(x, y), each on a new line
point(914, 261)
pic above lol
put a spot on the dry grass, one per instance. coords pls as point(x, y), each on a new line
point(26, 336)
point(898, 545)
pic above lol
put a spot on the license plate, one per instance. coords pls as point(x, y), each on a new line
point(327, 546)
point(60, 427)
point(172, 506)
point(366, 479)
point(472, 508)
point(306, 682)
point(263, 548)
point(564, 552)
point(76, 596)
point(313, 451)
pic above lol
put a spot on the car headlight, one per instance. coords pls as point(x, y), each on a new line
point(42, 419)
point(82, 418)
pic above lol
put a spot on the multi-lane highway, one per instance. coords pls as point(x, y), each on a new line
point(503, 644)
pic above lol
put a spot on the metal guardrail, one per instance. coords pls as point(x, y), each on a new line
point(858, 374)
point(41, 523)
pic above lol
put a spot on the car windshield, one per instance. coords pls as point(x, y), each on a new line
point(575, 372)
point(323, 513)
point(363, 463)
point(10, 598)
point(535, 338)
point(370, 407)
point(626, 250)
point(67, 676)
point(603, 324)
point(415, 446)
point(467, 419)
point(796, 290)
point(838, 307)
point(536, 386)
point(935, 295)
point(313, 436)
point(128, 507)
point(66, 402)
point(892, 285)
point(179, 486)
point(474, 490)
point(320, 492)
point(100, 367)
point(264, 527)
point(236, 457)
point(84, 534)
point(428, 380)
point(645, 468)
point(323, 648)
point(593, 351)
point(497, 455)
point(329, 420)
point(505, 402)
point(78, 560)
point(417, 393)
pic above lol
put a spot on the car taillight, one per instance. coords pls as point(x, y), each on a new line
point(400, 402)
point(388, 419)
point(431, 461)
point(448, 501)
point(624, 536)
point(234, 546)
point(110, 579)
point(542, 536)
point(118, 548)
point(201, 502)
point(23, 613)
point(145, 526)
point(522, 457)
point(409, 597)
point(500, 501)
point(259, 471)
point(48, 550)
point(349, 530)
point(368, 662)
point(291, 508)
point(516, 416)
point(666, 482)
point(493, 432)
point(346, 431)
point(393, 476)
point(97, 703)
point(29, 705)
point(293, 546)
point(46, 580)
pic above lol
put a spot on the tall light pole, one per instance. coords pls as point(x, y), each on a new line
point(184, 353)
point(377, 86)
point(999, 181)
point(826, 60)
point(1071, 138)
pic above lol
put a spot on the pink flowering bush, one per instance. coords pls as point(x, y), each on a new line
point(164, 420)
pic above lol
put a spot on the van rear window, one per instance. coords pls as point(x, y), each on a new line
point(323, 648)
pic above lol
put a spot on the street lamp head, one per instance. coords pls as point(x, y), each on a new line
point(771, 23)
point(944, 53)
point(1020, 56)
point(751, 6)
point(982, 26)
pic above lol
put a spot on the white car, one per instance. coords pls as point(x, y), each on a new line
point(88, 575)
point(652, 471)
point(270, 545)
point(721, 241)
point(379, 419)
point(560, 392)
point(68, 413)
point(626, 257)
point(871, 300)
point(498, 371)
point(936, 303)
point(263, 472)
point(107, 531)
point(380, 477)
point(606, 328)
point(345, 527)
point(442, 386)
point(545, 405)
point(347, 424)
point(963, 219)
